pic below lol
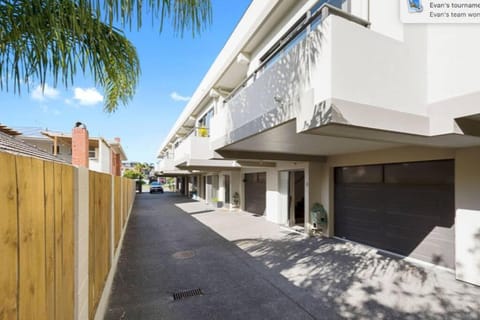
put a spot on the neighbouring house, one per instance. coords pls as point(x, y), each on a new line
point(10, 144)
point(79, 148)
point(339, 104)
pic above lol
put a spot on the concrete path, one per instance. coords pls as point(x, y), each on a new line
point(248, 268)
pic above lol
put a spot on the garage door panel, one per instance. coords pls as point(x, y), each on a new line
point(359, 196)
point(434, 202)
point(412, 222)
point(255, 192)
point(370, 237)
point(361, 224)
point(403, 214)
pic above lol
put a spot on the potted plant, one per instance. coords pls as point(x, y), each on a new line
point(217, 202)
point(203, 131)
point(236, 200)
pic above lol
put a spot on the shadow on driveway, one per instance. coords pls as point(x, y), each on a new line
point(249, 268)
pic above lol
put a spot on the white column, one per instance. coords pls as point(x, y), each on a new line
point(319, 188)
point(221, 187)
point(467, 218)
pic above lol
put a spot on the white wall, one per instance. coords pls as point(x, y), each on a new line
point(373, 69)
point(271, 204)
point(360, 8)
point(103, 161)
point(193, 147)
point(453, 64)
point(467, 219)
point(384, 17)
point(221, 187)
point(320, 189)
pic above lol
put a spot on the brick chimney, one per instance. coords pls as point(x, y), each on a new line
point(80, 145)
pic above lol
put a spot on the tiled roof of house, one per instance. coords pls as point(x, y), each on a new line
point(8, 130)
point(16, 146)
point(29, 131)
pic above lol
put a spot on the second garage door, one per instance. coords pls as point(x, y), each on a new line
point(255, 192)
point(406, 208)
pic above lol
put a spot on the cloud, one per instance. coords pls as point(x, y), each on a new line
point(87, 97)
point(177, 97)
point(47, 93)
point(47, 109)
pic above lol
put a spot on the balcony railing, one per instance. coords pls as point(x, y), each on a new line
point(165, 164)
point(195, 145)
point(294, 35)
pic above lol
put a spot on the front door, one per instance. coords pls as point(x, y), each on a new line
point(255, 192)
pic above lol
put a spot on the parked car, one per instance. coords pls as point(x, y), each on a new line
point(156, 187)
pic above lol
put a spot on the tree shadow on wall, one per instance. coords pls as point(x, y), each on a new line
point(274, 97)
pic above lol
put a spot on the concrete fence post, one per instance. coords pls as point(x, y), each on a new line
point(81, 238)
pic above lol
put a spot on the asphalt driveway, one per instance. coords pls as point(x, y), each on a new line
point(248, 268)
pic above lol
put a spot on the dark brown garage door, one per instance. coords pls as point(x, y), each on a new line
point(255, 192)
point(406, 208)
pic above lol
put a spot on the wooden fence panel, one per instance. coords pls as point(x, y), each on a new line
point(50, 238)
point(59, 308)
point(37, 236)
point(100, 235)
point(31, 216)
point(8, 238)
point(107, 225)
point(124, 202)
point(117, 196)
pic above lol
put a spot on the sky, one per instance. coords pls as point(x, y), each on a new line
point(172, 68)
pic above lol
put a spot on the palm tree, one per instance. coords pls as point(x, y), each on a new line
point(57, 39)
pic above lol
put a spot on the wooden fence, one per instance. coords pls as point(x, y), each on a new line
point(105, 193)
point(37, 236)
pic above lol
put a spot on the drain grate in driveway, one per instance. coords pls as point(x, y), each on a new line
point(187, 293)
point(184, 254)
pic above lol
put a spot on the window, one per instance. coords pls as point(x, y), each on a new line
point(421, 173)
point(204, 123)
point(92, 152)
point(298, 31)
point(340, 4)
point(58, 150)
point(359, 174)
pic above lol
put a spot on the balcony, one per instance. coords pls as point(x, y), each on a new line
point(195, 146)
point(165, 165)
point(331, 69)
point(195, 154)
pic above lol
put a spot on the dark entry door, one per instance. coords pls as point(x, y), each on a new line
point(406, 208)
point(255, 192)
point(227, 188)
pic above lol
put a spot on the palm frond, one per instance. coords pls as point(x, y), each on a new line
point(60, 38)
